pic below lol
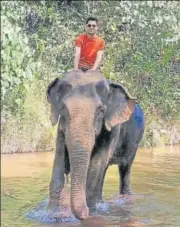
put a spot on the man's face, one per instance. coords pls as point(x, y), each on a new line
point(91, 27)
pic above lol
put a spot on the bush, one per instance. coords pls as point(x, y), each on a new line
point(142, 53)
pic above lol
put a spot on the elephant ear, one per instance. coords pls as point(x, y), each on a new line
point(120, 105)
point(56, 90)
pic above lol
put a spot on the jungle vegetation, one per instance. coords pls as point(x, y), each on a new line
point(142, 52)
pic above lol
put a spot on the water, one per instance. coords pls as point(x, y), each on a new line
point(155, 181)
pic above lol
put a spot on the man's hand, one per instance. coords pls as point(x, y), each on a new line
point(77, 57)
point(76, 69)
point(98, 60)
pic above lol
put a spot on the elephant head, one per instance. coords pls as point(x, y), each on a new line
point(85, 102)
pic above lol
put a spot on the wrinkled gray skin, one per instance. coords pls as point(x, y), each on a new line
point(94, 130)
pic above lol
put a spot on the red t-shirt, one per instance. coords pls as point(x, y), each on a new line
point(89, 49)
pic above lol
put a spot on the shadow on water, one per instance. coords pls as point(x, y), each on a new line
point(155, 181)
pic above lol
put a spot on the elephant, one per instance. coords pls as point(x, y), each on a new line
point(99, 124)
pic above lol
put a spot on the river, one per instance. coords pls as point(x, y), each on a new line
point(155, 181)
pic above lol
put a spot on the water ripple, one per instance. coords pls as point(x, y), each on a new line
point(41, 214)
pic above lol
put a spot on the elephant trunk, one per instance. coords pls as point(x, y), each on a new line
point(79, 168)
point(80, 147)
point(80, 138)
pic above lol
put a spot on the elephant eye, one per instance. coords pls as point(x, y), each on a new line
point(100, 111)
point(63, 111)
point(110, 92)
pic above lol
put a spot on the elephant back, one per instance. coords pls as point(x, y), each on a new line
point(80, 78)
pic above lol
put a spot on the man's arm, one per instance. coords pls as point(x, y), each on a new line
point(98, 60)
point(77, 57)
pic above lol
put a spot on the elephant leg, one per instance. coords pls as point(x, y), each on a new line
point(98, 166)
point(95, 179)
point(57, 179)
point(124, 166)
point(99, 187)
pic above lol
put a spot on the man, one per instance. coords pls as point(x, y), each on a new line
point(89, 47)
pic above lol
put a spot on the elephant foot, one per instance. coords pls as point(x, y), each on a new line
point(53, 205)
point(93, 204)
point(128, 198)
point(126, 195)
point(63, 213)
point(93, 200)
point(59, 211)
point(126, 191)
point(53, 208)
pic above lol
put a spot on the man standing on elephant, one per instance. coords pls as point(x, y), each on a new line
point(89, 47)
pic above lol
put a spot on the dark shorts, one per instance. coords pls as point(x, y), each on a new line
point(84, 69)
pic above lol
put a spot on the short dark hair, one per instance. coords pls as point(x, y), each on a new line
point(91, 18)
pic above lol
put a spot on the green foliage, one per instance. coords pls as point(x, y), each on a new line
point(142, 52)
point(17, 62)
